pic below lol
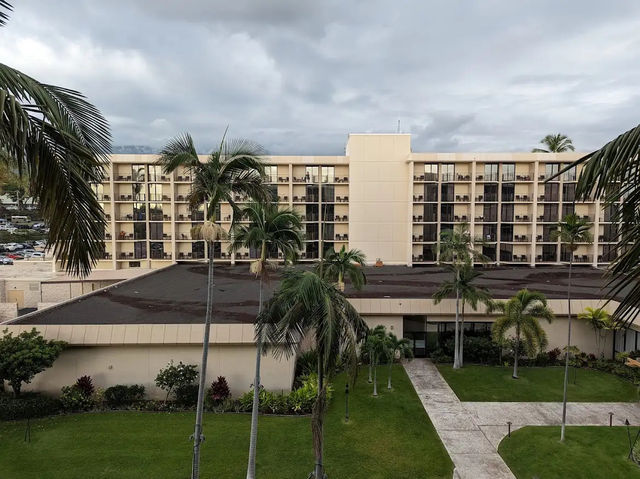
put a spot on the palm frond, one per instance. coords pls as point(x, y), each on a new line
point(5, 8)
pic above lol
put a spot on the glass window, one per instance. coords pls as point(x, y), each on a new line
point(508, 191)
point(156, 231)
point(491, 172)
point(155, 192)
point(550, 213)
point(137, 190)
point(567, 209)
point(610, 233)
point(197, 249)
point(139, 212)
point(446, 211)
point(271, 173)
point(506, 252)
point(138, 172)
point(610, 212)
point(490, 212)
point(328, 193)
point(429, 252)
point(430, 232)
point(155, 211)
point(551, 169)
point(155, 172)
point(489, 251)
point(570, 174)
point(311, 174)
point(489, 232)
point(508, 172)
point(431, 172)
point(547, 230)
point(551, 191)
point(328, 212)
point(140, 250)
point(490, 192)
point(506, 232)
point(139, 231)
point(507, 212)
point(447, 192)
point(311, 193)
point(197, 214)
point(311, 212)
point(569, 192)
point(328, 174)
point(448, 172)
point(431, 192)
point(156, 250)
point(431, 212)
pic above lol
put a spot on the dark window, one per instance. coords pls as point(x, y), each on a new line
point(446, 212)
point(549, 252)
point(550, 213)
point(430, 232)
point(328, 231)
point(155, 211)
point(312, 250)
point(609, 212)
point(609, 252)
point(328, 212)
point(140, 249)
point(569, 192)
point(156, 250)
point(506, 232)
point(139, 212)
point(197, 249)
point(508, 191)
point(430, 192)
point(551, 191)
point(431, 212)
point(565, 253)
point(508, 172)
point(311, 213)
point(217, 250)
point(447, 192)
point(489, 251)
point(567, 209)
point(155, 231)
point(507, 212)
point(273, 192)
point(547, 231)
point(312, 193)
point(139, 231)
point(610, 232)
point(328, 193)
point(490, 212)
point(491, 172)
point(489, 232)
point(429, 252)
point(137, 189)
point(491, 192)
point(311, 231)
point(506, 252)
point(446, 227)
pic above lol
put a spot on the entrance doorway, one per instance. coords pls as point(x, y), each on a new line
point(16, 296)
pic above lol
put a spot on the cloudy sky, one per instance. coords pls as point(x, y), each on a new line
point(298, 76)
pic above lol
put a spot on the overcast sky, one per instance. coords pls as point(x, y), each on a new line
point(298, 76)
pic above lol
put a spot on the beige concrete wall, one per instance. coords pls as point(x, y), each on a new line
point(392, 323)
point(8, 311)
point(56, 292)
point(29, 287)
point(139, 364)
point(379, 192)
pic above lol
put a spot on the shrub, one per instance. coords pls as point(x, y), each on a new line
point(74, 399)
point(439, 356)
point(187, 395)
point(621, 357)
point(27, 405)
point(85, 384)
point(122, 395)
point(174, 377)
point(219, 390)
point(554, 355)
point(306, 363)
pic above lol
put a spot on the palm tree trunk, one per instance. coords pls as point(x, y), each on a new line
point(317, 420)
point(197, 433)
point(461, 345)
point(375, 376)
point(456, 342)
point(253, 441)
point(370, 380)
point(516, 353)
point(390, 369)
point(566, 356)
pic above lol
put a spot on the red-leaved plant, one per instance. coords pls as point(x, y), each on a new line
point(219, 390)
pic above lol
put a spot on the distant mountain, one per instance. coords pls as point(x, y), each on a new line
point(133, 149)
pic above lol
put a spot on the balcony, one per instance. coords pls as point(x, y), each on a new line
point(523, 258)
point(107, 256)
point(183, 178)
point(521, 238)
point(463, 177)
point(462, 218)
point(524, 198)
point(462, 198)
point(509, 177)
point(342, 199)
point(341, 218)
point(523, 219)
point(281, 179)
point(343, 237)
point(523, 178)
point(418, 198)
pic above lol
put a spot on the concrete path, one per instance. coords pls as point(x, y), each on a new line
point(473, 454)
point(472, 431)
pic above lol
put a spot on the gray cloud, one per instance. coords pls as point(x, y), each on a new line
point(299, 76)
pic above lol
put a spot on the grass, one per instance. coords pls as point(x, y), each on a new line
point(488, 383)
point(388, 436)
point(589, 452)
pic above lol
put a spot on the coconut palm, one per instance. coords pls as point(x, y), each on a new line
point(235, 168)
point(457, 248)
point(307, 304)
point(522, 312)
point(396, 347)
point(338, 264)
point(599, 320)
point(558, 143)
point(60, 141)
point(571, 231)
point(372, 341)
point(269, 230)
point(469, 294)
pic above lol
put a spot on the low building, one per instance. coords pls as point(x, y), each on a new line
point(126, 332)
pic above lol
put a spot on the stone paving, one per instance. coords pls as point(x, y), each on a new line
point(472, 431)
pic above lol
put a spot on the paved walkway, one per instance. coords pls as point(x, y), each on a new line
point(472, 453)
point(472, 431)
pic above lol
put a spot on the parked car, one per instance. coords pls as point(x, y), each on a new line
point(15, 256)
point(5, 260)
point(37, 254)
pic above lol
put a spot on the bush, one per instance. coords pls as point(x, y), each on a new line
point(85, 384)
point(74, 399)
point(219, 390)
point(122, 395)
point(175, 377)
point(554, 355)
point(306, 363)
point(439, 356)
point(187, 395)
point(27, 405)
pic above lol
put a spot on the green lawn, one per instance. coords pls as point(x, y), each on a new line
point(388, 436)
point(489, 383)
point(589, 452)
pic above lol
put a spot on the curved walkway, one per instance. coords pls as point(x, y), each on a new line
point(472, 431)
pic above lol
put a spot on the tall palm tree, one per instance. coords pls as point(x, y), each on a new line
point(557, 143)
point(522, 312)
point(376, 344)
point(307, 304)
point(457, 247)
point(371, 342)
point(235, 168)
point(396, 347)
point(600, 322)
point(571, 231)
point(337, 265)
point(269, 230)
point(463, 277)
point(60, 141)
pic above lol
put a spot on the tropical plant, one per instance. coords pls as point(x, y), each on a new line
point(60, 141)
point(25, 355)
point(219, 390)
point(457, 248)
point(235, 168)
point(522, 312)
point(467, 293)
point(270, 230)
point(396, 348)
point(600, 322)
point(372, 343)
point(308, 305)
point(557, 143)
point(344, 263)
point(571, 231)
point(176, 376)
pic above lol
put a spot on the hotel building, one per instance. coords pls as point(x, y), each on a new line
point(380, 197)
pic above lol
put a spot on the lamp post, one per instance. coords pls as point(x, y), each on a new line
point(610, 419)
point(509, 428)
point(346, 403)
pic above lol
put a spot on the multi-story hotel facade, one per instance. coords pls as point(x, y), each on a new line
point(380, 197)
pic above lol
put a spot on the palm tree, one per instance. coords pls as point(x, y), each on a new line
point(599, 320)
point(269, 230)
point(235, 168)
point(522, 312)
point(558, 143)
point(396, 347)
point(571, 231)
point(457, 248)
point(307, 304)
point(463, 277)
point(337, 265)
point(374, 336)
point(61, 142)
